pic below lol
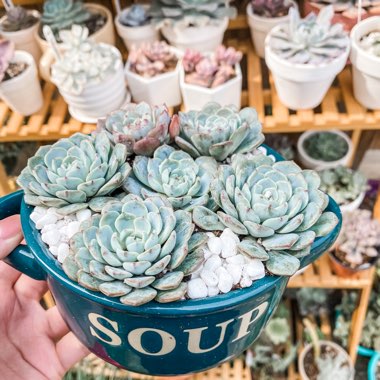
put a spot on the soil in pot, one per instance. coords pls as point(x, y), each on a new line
point(14, 69)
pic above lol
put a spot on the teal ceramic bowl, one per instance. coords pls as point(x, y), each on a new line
point(156, 339)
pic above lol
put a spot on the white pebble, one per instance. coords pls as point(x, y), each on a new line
point(83, 215)
point(196, 288)
point(245, 282)
point(235, 271)
point(228, 233)
point(197, 273)
point(255, 269)
point(238, 259)
point(54, 250)
point(226, 281)
point(206, 253)
point(215, 245)
point(45, 220)
point(72, 229)
point(40, 210)
point(51, 237)
point(213, 263)
point(229, 247)
point(212, 291)
point(53, 211)
point(63, 252)
point(48, 228)
point(210, 278)
point(35, 216)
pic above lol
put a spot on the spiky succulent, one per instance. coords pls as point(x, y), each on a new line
point(218, 131)
point(371, 43)
point(271, 8)
point(73, 172)
point(185, 182)
point(18, 18)
point(134, 250)
point(276, 204)
point(312, 40)
point(140, 127)
point(134, 16)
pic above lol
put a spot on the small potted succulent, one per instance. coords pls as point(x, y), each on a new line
point(19, 26)
point(89, 76)
point(152, 73)
point(145, 246)
point(324, 149)
point(358, 244)
point(197, 25)
point(18, 75)
point(262, 16)
point(304, 57)
point(134, 25)
point(211, 77)
point(365, 58)
point(346, 186)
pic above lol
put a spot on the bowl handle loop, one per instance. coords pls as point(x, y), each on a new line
point(21, 258)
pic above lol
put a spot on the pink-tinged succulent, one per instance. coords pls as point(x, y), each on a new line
point(228, 56)
point(6, 54)
point(152, 59)
point(271, 8)
point(190, 59)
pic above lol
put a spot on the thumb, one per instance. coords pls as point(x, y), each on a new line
point(10, 235)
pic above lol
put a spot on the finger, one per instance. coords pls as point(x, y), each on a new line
point(70, 351)
point(27, 288)
point(8, 276)
point(57, 325)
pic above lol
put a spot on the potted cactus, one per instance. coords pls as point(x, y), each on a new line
point(365, 58)
point(19, 26)
point(134, 25)
point(18, 75)
point(262, 16)
point(211, 77)
point(345, 185)
point(357, 247)
point(324, 149)
point(131, 241)
point(89, 76)
point(152, 68)
point(197, 25)
point(304, 56)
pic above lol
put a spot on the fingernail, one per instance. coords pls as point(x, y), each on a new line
point(10, 227)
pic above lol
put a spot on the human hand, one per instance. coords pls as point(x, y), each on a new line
point(36, 344)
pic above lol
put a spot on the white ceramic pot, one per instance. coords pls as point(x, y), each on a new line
point(25, 39)
point(195, 97)
point(23, 93)
point(201, 38)
point(354, 205)
point(311, 163)
point(260, 27)
point(307, 348)
point(98, 99)
point(365, 66)
point(302, 86)
point(161, 89)
point(136, 35)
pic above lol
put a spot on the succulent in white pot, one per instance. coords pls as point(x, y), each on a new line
point(262, 16)
point(134, 25)
point(365, 58)
point(214, 77)
point(198, 25)
point(152, 73)
point(304, 57)
point(20, 88)
point(89, 76)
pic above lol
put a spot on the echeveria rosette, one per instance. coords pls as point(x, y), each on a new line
point(74, 171)
point(218, 131)
point(134, 250)
point(174, 174)
point(140, 127)
point(276, 204)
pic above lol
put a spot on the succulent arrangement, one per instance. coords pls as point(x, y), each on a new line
point(129, 215)
point(282, 144)
point(136, 15)
point(271, 8)
point(83, 62)
point(371, 43)
point(359, 240)
point(343, 184)
point(333, 365)
point(312, 301)
point(312, 40)
point(210, 70)
point(17, 18)
point(326, 146)
point(152, 59)
point(6, 54)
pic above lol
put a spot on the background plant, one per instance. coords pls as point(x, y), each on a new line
point(6, 55)
point(371, 43)
point(18, 18)
point(136, 15)
point(271, 8)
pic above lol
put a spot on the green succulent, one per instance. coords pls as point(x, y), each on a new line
point(278, 330)
point(219, 131)
point(74, 172)
point(134, 250)
point(276, 204)
point(140, 127)
point(62, 14)
point(185, 182)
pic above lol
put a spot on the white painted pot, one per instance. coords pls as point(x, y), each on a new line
point(260, 27)
point(98, 99)
point(23, 93)
point(201, 38)
point(302, 86)
point(311, 163)
point(354, 205)
point(195, 97)
point(161, 89)
point(307, 348)
point(136, 35)
point(25, 39)
point(365, 66)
